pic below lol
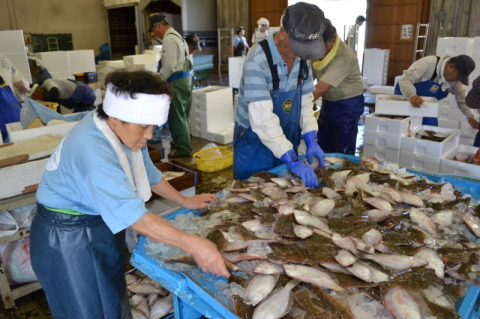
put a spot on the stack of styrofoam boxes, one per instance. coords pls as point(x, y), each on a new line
point(383, 135)
point(235, 69)
point(399, 105)
point(382, 89)
point(141, 62)
point(425, 155)
point(476, 57)
point(64, 64)
point(211, 116)
point(454, 46)
point(375, 66)
point(449, 115)
point(450, 166)
point(13, 47)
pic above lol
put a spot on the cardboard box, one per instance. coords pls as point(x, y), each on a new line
point(192, 176)
point(450, 166)
point(399, 105)
point(22, 178)
point(382, 153)
point(430, 148)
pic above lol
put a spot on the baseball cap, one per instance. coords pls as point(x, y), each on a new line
point(304, 24)
point(464, 65)
point(193, 40)
point(473, 96)
point(156, 18)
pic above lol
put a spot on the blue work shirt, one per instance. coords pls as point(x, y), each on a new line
point(256, 82)
point(85, 175)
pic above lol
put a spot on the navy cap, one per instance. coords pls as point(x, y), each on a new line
point(156, 18)
point(304, 24)
point(464, 65)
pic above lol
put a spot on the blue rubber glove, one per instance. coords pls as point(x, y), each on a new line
point(300, 169)
point(313, 149)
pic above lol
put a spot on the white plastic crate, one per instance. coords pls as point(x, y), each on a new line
point(430, 148)
point(448, 123)
point(382, 140)
point(375, 122)
point(382, 89)
point(467, 130)
point(454, 46)
point(399, 105)
point(419, 162)
point(382, 153)
point(450, 166)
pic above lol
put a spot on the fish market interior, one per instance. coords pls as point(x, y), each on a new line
point(240, 159)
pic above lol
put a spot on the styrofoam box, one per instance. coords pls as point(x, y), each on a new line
point(449, 166)
point(466, 140)
point(55, 61)
point(17, 134)
point(383, 140)
point(222, 136)
point(467, 130)
point(212, 96)
point(382, 153)
point(430, 148)
point(448, 123)
point(420, 162)
point(131, 60)
point(13, 47)
point(377, 123)
point(81, 61)
point(235, 69)
point(454, 46)
point(382, 89)
point(383, 105)
point(375, 66)
point(20, 177)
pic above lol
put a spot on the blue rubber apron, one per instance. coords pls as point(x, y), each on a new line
point(82, 96)
point(79, 263)
point(250, 154)
point(428, 88)
point(10, 108)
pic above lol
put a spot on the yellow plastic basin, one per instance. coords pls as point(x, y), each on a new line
point(214, 159)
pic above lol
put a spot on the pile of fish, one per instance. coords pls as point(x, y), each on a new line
point(468, 158)
point(371, 230)
point(431, 135)
point(148, 300)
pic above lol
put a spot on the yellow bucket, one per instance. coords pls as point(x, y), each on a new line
point(51, 105)
point(214, 159)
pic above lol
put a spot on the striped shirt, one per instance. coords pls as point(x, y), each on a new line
point(256, 82)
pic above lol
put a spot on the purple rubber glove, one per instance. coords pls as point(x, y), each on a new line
point(313, 149)
point(300, 169)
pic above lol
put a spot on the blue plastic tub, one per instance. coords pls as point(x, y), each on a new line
point(194, 300)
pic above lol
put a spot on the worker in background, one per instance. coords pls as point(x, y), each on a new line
point(435, 76)
point(340, 85)
point(240, 45)
point(193, 42)
point(352, 38)
point(473, 101)
point(74, 95)
point(95, 186)
point(261, 33)
point(38, 70)
point(176, 68)
point(275, 98)
point(10, 78)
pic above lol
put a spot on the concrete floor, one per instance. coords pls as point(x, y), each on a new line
point(34, 305)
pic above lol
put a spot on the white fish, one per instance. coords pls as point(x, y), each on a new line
point(400, 304)
point(330, 193)
point(473, 223)
point(322, 233)
point(253, 225)
point(323, 207)
point(236, 200)
point(135, 300)
point(313, 276)
point(362, 246)
point(361, 271)
point(334, 267)
point(381, 247)
point(302, 231)
point(377, 215)
point(411, 199)
point(247, 196)
point(396, 261)
point(443, 218)
point(162, 307)
point(339, 178)
point(372, 237)
point(344, 243)
point(345, 258)
point(268, 268)
point(274, 192)
point(287, 208)
point(392, 193)
point(276, 305)
point(281, 182)
point(377, 275)
point(423, 221)
point(151, 299)
point(306, 219)
point(359, 180)
point(143, 307)
point(258, 288)
point(138, 314)
point(130, 279)
point(434, 261)
point(142, 289)
point(379, 203)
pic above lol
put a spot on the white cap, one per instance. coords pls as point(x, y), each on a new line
point(263, 21)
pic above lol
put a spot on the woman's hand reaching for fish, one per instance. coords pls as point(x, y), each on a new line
point(207, 257)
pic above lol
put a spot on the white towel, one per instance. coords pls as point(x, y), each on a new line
point(139, 177)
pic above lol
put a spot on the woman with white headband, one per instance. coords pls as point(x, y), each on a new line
point(95, 185)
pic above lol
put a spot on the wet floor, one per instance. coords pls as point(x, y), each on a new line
point(34, 305)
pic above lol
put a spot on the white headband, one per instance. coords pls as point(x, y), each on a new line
point(146, 109)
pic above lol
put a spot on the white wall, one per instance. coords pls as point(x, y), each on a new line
point(199, 15)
